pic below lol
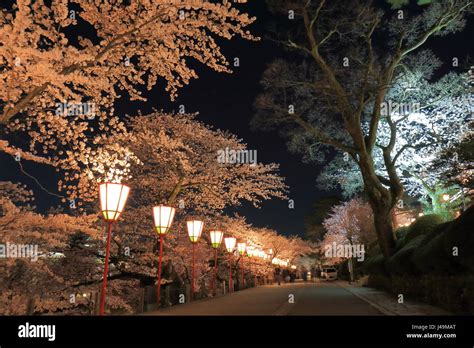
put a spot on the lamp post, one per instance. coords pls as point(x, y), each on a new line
point(230, 245)
point(163, 218)
point(112, 197)
point(241, 248)
point(194, 232)
point(216, 240)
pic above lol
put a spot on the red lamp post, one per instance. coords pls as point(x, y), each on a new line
point(241, 248)
point(216, 240)
point(230, 245)
point(163, 218)
point(194, 232)
point(112, 197)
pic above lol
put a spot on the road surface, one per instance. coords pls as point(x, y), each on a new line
point(325, 298)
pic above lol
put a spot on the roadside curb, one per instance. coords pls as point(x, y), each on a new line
point(378, 307)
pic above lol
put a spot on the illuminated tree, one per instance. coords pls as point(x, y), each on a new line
point(339, 78)
point(181, 165)
point(350, 222)
point(58, 88)
point(440, 117)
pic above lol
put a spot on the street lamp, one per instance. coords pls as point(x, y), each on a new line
point(241, 247)
point(445, 197)
point(216, 240)
point(163, 218)
point(194, 232)
point(112, 198)
point(230, 245)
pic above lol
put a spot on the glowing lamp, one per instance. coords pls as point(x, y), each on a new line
point(194, 230)
point(445, 197)
point(241, 248)
point(250, 251)
point(216, 238)
point(163, 217)
point(112, 199)
point(230, 243)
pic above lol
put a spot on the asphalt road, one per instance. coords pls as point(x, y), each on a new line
point(325, 298)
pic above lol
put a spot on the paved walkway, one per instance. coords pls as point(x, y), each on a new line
point(287, 299)
point(318, 298)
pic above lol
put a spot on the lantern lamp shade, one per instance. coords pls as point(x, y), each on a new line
point(194, 230)
point(230, 243)
point(163, 217)
point(113, 197)
point(250, 251)
point(241, 248)
point(216, 238)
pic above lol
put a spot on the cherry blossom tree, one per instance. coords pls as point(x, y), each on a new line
point(350, 222)
point(55, 270)
point(181, 165)
point(59, 88)
point(177, 164)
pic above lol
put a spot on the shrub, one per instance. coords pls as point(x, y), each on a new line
point(401, 232)
point(423, 226)
point(436, 256)
point(400, 262)
point(424, 267)
point(375, 265)
point(373, 249)
point(431, 256)
point(459, 233)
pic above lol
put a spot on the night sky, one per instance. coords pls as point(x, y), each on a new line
point(225, 101)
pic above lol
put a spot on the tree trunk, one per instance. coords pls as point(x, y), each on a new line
point(384, 227)
point(382, 201)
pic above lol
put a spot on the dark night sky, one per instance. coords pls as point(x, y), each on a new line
point(226, 102)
